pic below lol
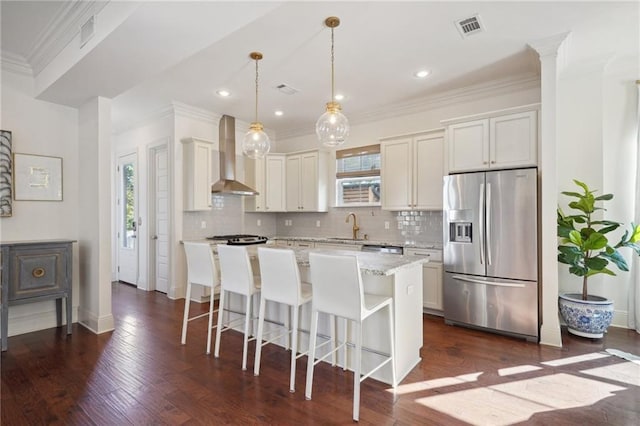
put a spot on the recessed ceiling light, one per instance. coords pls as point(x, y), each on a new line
point(339, 97)
point(224, 93)
point(422, 73)
point(279, 113)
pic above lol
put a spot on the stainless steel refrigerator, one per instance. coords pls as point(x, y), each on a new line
point(491, 251)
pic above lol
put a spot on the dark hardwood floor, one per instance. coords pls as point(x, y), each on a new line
point(140, 374)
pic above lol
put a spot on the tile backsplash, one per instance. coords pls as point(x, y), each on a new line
point(227, 217)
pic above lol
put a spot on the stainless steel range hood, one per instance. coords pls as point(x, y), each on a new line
point(228, 183)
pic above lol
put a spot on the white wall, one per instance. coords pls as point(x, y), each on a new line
point(41, 128)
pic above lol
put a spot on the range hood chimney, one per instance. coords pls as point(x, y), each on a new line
point(228, 183)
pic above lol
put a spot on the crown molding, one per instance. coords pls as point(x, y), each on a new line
point(14, 63)
point(165, 111)
point(439, 100)
point(184, 110)
point(62, 28)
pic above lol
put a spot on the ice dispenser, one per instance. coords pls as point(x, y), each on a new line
point(460, 232)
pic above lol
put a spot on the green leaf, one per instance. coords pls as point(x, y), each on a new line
point(571, 194)
point(596, 241)
point(608, 229)
point(616, 258)
point(578, 270)
point(635, 237)
point(604, 197)
point(596, 263)
point(582, 185)
point(575, 238)
point(570, 255)
point(603, 271)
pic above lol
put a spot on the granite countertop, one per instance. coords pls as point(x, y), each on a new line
point(349, 241)
point(370, 263)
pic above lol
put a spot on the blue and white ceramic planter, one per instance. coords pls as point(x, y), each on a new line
point(586, 318)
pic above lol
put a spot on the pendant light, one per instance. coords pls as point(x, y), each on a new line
point(332, 127)
point(256, 143)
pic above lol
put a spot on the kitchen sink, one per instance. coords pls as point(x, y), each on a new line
point(345, 239)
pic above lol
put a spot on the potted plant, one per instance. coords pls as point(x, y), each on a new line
point(585, 247)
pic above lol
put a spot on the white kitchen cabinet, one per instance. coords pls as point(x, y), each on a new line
point(498, 140)
point(412, 171)
point(197, 161)
point(307, 182)
point(431, 279)
point(267, 176)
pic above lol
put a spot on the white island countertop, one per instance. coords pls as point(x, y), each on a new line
point(370, 263)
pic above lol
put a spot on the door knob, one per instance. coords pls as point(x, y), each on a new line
point(155, 237)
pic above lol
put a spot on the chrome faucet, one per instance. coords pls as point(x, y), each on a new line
point(356, 228)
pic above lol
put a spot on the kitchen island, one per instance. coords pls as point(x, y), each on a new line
point(397, 276)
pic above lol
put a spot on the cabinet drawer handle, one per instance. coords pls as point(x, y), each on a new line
point(38, 272)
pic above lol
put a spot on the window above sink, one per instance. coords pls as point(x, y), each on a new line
point(358, 176)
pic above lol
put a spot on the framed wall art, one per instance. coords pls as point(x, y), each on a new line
point(37, 178)
point(5, 173)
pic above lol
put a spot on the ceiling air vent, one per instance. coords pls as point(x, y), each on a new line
point(87, 30)
point(469, 26)
point(287, 90)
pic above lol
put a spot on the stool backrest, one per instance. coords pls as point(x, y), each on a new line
point(236, 273)
point(279, 275)
point(201, 268)
point(337, 284)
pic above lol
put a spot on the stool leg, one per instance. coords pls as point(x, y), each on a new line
point(256, 363)
point(394, 382)
point(185, 318)
point(346, 339)
point(294, 347)
point(216, 351)
point(334, 332)
point(287, 325)
point(311, 358)
point(211, 302)
point(247, 323)
point(356, 370)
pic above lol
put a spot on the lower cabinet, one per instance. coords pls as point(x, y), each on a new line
point(431, 279)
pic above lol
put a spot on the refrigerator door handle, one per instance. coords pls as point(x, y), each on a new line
point(492, 283)
point(488, 225)
point(481, 223)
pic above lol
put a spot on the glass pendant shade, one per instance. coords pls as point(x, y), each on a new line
point(256, 143)
point(332, 128)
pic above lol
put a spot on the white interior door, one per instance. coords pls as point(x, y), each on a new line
point(160, 237)
point(127, 219)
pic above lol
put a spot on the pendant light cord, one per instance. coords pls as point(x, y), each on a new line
point(332, 73)
point(256, 120)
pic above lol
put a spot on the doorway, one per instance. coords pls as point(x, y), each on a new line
point(127, 196)
point(159, 254)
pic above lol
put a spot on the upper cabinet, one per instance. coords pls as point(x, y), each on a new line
point(197, 155)
point(412, 171)
point(267, 176)
point(496, 140)
point(307, 181)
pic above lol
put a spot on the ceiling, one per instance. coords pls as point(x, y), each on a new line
point(162, 52)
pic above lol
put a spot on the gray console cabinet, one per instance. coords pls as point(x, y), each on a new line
point(34, 271)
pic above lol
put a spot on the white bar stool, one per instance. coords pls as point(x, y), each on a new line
point(236, 276)
point(201, 270)
point(280, 282)
point(337, 290)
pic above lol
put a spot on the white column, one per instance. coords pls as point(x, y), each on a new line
point(94, 218)
point(552, 56)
